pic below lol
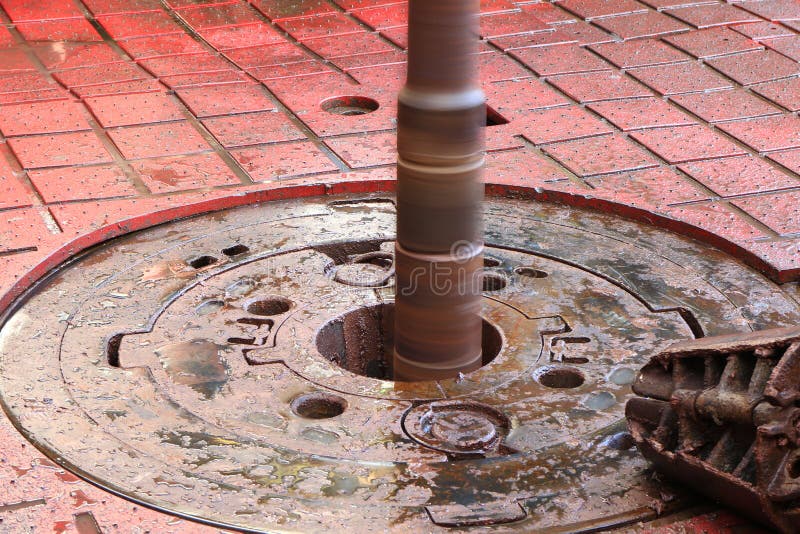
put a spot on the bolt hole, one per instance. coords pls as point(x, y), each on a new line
point(489, 261)
point(794, 468)
point(318, 405)
point(235, 250)
point(349, 105)
point(560, 377)
point(530, 272)
point(202, 261)
point(493, 281)
point(269, 306)
point(112, 349)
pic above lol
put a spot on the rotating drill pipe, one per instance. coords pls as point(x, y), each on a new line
point(440, 142)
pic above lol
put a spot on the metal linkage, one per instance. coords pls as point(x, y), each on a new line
point(722, 414)
point(441, 114)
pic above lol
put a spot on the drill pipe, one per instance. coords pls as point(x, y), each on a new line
point(440, 144)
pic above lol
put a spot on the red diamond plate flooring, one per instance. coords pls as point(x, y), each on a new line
point(119, 114)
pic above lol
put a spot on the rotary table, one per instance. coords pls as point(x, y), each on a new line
point(234, 368)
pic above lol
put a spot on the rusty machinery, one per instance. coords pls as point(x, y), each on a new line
point(722, 414)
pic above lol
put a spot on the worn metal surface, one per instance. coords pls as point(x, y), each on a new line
point(441, 120)
point(201, 367)
point(723, 415)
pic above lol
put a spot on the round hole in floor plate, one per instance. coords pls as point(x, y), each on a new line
point(560, 377)
point(318, 405)
point(530, 272)
point(201, 262)
point(235, 250)
point(493, 281)
point(269, 306)
point(362, 341)
point(349, 105)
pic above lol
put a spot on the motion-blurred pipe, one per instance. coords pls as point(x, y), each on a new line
point(440, 141)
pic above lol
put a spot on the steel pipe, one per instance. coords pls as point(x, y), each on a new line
point(440, 142)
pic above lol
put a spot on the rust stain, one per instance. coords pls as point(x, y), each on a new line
point(81, 499)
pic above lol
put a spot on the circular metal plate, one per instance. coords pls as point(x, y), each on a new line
point(181, 367)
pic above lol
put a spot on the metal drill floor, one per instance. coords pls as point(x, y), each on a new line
point(200, 367)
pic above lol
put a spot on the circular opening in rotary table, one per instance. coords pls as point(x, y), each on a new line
point(361, 341)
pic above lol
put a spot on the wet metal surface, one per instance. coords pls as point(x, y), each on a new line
point(186, 368)
point(723, 415)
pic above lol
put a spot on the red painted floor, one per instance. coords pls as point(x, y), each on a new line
point(118, 114)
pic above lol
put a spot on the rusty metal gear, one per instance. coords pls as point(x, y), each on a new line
point(722, 414)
